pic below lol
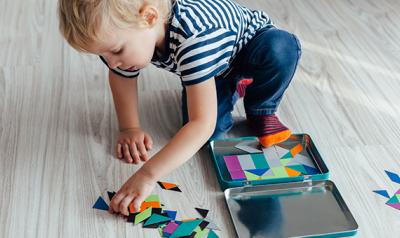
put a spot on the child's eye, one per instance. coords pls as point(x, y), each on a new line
point(118, 51)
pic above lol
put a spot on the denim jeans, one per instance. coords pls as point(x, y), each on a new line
point(270, 58)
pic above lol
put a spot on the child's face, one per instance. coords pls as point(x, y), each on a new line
point(128, 49)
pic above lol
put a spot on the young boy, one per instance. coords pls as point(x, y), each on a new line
point(220, 50)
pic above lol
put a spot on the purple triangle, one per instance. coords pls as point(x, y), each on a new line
point(101, 204)
point(382, 192)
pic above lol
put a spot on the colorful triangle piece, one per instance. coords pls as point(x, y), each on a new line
point(382, 192)
point(394, 177)
point(100, 204)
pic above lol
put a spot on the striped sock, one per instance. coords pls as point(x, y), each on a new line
point(269, 129)
point(242, 85)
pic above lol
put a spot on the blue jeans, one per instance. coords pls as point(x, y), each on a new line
point(270, 59)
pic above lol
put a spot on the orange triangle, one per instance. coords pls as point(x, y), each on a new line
point(292, 172)
point(168, 185)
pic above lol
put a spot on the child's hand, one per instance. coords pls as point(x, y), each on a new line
point(135, 190)
point(132, 145)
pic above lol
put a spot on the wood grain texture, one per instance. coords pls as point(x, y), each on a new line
point(58, 125)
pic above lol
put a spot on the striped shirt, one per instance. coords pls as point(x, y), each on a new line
point(203, 38)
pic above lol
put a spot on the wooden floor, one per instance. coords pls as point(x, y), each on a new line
point(58, 125)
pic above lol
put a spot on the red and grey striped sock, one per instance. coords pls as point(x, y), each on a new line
point(268, 129)
point(242, 85)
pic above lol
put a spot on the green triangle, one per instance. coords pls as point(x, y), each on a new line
point(398, 196)
point(393, 200)
point(251, 176)
point(156, 218)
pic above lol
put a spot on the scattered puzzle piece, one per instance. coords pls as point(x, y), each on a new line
point(186, 228)
point(394, 177)
point(382, 192)
point(202, 212)
point(169, 186)
point(100, 204)
point(110, 195)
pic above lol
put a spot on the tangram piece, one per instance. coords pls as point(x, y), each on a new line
point(100, 204)
point(247, 147)
point(170, 228)
point(382, 192)
point(310, 170)
point(202, 212)
point(259, 161)
point(394, 177)
point(131, 217)
point(186, 228)
point(212, 234)
point(110, 195)
point(295, 150)
point(156, 220)
point(291, 172)
point(152, 198)
point(280, 172)
point(202, 233)
point(169, 186)
point(251, 176)
point(246, 162)
point(146, 205)
point(203, 224)
point(393, 200)
point(258, 172)
point(232, 163)
point(171, 214)
point(394, 205)
point(143, 215)
point(299, 168)
point(237, 175)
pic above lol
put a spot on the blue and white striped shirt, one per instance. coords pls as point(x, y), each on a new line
point(203, 38)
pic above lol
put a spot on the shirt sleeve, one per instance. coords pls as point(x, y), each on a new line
point(123, 73)
point(205, 55)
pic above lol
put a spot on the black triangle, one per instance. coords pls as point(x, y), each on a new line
point(175, 189)
point(203, 224)
point(110, 195)
point(203, 212)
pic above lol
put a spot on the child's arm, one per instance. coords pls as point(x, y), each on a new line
point(132, 143)
point(202, 108)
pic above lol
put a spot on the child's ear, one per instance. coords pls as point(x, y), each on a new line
point(149, 14)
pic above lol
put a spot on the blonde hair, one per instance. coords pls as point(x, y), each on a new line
point(80, 20)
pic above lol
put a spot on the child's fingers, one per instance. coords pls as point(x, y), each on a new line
point(142, 151)
point(134, 153)
point(127, 154)
point(114, 205)
point(148, 142)
point(137, 201)
point(118, 151)
point(123, 206)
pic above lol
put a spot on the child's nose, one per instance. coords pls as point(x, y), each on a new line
point(113, 63)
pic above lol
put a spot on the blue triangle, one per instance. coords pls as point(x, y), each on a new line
point(394, 177)
point(382, 192)
point(101, 204)
point(259, 172)
point(310, 170)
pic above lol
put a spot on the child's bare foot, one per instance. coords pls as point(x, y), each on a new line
point(269, 129)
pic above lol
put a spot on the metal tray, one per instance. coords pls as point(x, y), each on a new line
point(297, 209)
point(227, 147)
